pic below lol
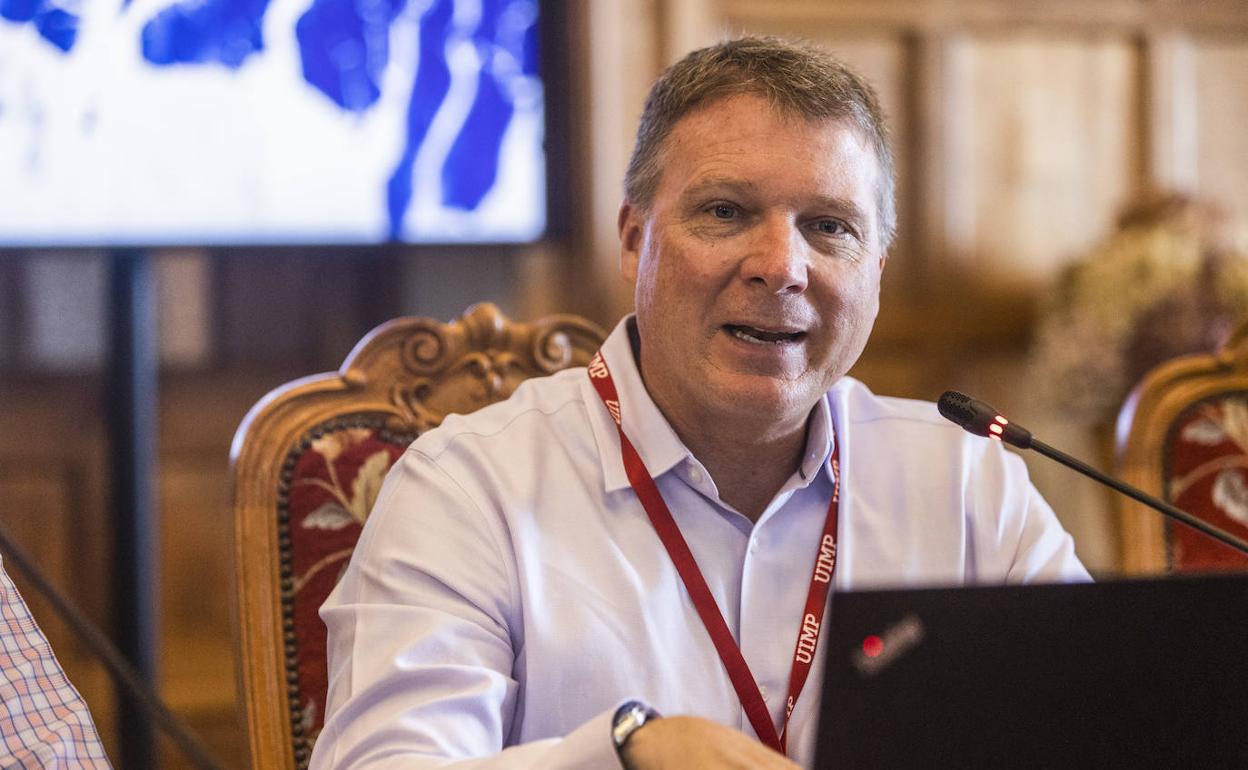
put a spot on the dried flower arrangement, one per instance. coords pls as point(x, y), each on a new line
point(1163, 284)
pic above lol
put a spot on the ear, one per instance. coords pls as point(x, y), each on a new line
point(630, 224)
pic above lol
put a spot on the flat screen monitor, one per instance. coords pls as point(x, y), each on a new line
point(256, 122)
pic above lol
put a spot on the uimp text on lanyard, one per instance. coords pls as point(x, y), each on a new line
point(743, 681)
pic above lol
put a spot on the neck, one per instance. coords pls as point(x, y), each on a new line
point(749, 457)
point(749, 462)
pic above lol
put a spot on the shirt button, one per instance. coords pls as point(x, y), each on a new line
point(695, 475)
point(754, 544)
point(762, 690)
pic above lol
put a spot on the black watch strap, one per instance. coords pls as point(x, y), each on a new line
point(628, 719)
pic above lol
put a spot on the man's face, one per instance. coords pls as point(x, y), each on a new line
point(757, 265)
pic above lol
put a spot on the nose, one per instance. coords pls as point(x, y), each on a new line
point(777, 260)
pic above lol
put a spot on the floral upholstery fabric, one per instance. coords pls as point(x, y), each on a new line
point(1207, 476)
point(330, 482)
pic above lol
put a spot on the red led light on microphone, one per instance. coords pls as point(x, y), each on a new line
point(997, 427)
point(872, 646)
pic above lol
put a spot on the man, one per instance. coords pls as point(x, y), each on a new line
point(44, 723)
point(660, 530)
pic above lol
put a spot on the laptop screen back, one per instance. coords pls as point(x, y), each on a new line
point(1124, 674)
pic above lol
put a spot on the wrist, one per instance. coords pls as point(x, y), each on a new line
point(629, 718)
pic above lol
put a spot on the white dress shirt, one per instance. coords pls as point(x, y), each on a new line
point(508, 591)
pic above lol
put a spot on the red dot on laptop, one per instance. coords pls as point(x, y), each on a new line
point(872, 646)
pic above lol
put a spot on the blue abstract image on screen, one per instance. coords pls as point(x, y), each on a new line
point(257, 121)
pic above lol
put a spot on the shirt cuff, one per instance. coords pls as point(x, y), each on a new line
point(589, 745)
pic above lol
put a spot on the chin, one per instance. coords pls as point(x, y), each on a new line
point(761, 397)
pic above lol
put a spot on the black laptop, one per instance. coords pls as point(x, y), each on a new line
point(1139, 674)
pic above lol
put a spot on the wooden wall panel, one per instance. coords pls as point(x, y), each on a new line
point(53, 439)
point(1004, 14)
point(36, 516)
point(193, 531)
point(1053, 143)
point(184, 306)
point(623, 51)
point(1222, 127)
point(42, 512)
point(62, 317)
point(197, 662)
point(11, 300)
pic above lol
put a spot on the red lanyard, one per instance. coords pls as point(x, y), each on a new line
point(678, 549)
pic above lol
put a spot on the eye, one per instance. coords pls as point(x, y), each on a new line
point(724, 211)
point(830, 227)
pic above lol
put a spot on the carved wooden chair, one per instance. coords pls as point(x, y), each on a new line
point(1183, 435)
point(307, 462)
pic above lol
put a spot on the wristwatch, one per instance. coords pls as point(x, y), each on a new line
point(628, 719)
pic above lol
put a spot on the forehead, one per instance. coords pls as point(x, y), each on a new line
point(745, 136)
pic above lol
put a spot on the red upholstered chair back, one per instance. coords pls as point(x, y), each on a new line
point(307, 463)
point(1183, 435)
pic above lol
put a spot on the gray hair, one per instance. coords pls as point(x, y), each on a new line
point(798, 78)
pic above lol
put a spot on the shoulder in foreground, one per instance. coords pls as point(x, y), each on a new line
point(536, 396)
point(863, 406)
point(895, 422)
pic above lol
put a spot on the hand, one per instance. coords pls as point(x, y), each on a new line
point(693, 743)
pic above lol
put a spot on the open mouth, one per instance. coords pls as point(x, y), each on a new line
point(762, 336)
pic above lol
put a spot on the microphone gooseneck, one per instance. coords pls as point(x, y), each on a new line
point(979, 418)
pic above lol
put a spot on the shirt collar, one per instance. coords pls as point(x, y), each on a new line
point(653, 436)
point(820, 438)
point(646, 427)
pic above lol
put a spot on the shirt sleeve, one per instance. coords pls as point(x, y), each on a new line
point(1025, 543)
point(43, 720)
point(424, 635)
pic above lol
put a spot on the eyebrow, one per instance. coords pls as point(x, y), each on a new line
point(715, 182)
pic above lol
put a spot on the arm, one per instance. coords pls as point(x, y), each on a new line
point(423, 638)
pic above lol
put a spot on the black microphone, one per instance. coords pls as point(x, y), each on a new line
point(981, 419)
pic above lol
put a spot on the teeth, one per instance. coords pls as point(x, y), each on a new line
point(742, 335)
point(749, 335)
